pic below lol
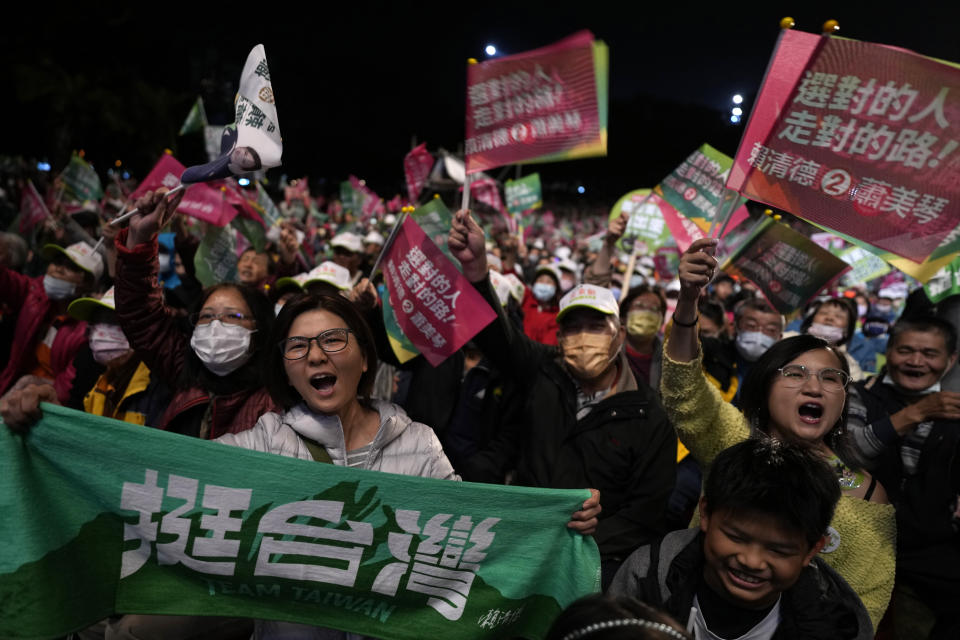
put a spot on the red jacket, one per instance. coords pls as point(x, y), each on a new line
point(153, 331)
point(26, 298)
point(539, 320)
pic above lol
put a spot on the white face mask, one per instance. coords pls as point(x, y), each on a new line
point(829, 333)
point(222, 348)
point(58, 289)
point(107, 342)
point(163, 259)
point(752, 344)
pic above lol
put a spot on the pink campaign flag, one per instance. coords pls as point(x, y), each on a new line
point(416, 168)
point(201, 201)
point(32, 209)
point(546, 104)
point(436, 306)
point(685, 231)
point(857, 137)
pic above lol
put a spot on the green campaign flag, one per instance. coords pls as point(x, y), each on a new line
point(864, 265)
point(435, 220)
point(646, 223)
point(788, 267)
point(350, 198)
point(80, 181)
point(103, 517)
point(271, 214)
point(196, 120)
point(216, 259)
point(695, 188)
point(944, 283)
point(253, 231)
point(523, 194)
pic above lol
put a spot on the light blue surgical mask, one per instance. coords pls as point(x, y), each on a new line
point(543, 291)
point(58, 289)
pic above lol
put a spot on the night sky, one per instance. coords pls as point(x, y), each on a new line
point(355, 82)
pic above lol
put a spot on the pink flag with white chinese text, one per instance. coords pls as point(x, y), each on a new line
point(538, 106)
point(436, 307)
point(857, 137)
point(416, 168)
point(201, 201)
point(33, 211)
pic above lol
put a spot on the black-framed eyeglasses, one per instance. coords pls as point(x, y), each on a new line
point(832, 380)
point(330, 341)
point(226, 317)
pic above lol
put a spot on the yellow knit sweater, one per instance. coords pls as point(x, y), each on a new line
point(863, 540)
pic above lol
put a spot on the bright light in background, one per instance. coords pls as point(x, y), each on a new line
point(43, 166)
point(126, 175)
point(737, 99)
point(737, 111)
point(734, 119)
point(580, 189)
point(243, 182)
point(490, 50)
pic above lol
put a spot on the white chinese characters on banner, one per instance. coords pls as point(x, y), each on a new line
point(439, 559)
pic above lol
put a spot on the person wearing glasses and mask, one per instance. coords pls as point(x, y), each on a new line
point(795, 392)
point(212, 367)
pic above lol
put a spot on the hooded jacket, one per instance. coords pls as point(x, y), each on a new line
point(819, 605)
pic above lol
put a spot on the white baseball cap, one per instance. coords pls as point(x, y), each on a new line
point(327, 271)
point(80, 254)
point(373, 238)
point(590, 297)
point(349, 241)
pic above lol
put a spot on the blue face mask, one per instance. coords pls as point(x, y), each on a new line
point(873, 328)
point(58, 289)
point(544, 292)
point(616, 292)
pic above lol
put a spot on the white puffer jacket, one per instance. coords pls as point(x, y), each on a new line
point(400, 446)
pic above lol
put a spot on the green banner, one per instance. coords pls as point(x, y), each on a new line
point(788, 267)
point(80, 181)
point(216, 259)
point(523, 194)
point(104, 517)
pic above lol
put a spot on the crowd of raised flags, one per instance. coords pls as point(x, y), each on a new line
point(846, 196)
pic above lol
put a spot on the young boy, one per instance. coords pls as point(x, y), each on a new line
point(750, 572)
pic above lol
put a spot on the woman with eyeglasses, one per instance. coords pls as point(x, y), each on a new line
point(213, 366)
point(796, 392)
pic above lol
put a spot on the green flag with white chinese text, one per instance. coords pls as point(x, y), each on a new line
point(103, 517)
point(80, 181)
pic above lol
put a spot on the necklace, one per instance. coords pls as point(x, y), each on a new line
point(847, 478)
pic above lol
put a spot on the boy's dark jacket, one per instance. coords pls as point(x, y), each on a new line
point(819, 605)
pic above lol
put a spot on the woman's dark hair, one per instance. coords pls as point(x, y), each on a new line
point(792, 484)
point(638, 291)
point(195, 374)
point(605, 617)
point(276, 376)
point(844, 304)
point(755, 393)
